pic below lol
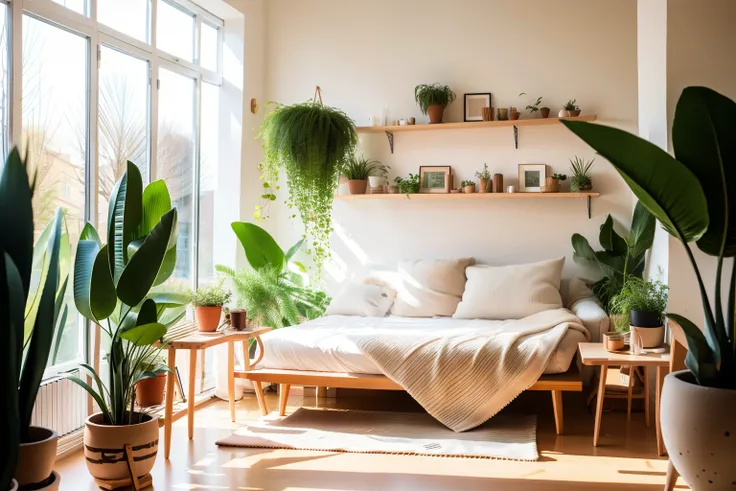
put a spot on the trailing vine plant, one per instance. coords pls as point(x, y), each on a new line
point(311, 143)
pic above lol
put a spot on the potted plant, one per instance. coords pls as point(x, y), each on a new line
point(697, 404)
point(433, 99)
point(484, 177)
point(568, 109)
point(467, 186)
point(311, 143)
point(30, 321)
point(359, 170)
point(580, 180)
point(552, 183)
point(208, 304)
point(408, 185)
point(150, 391)
point(640, 307)
point(113, 288)
point(534, 107)
point(514, 113)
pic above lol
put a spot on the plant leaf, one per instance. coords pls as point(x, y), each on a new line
point(168, 300)
point(666, 187)
point(144, 334)
point(156, 202)
point(95, 395)
point(581, 249)
point(699, 357)
point(641, 235)
point(89, 232)
point(148, 313)
point(261, 249)
point(167, 268)
point(123, 218)
point(293, 250)
point(610, 240)
point(94, 291)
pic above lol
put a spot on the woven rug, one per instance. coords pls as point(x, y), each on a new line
point(509, 436)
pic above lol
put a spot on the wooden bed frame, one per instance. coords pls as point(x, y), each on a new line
point(556, 384)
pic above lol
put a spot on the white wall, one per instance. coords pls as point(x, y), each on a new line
point(367, 54)
point(701, 50)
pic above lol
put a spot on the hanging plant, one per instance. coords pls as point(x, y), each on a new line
point(311, 143)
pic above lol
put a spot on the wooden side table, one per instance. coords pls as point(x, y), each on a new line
point(199, 341)
point(594, 354)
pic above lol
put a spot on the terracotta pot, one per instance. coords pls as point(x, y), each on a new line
point(487, 113)
point(564, 113)
point(514, 115)
point(238, 319)
point(103, 447)
point(651, 337)
point(150, 392)
point(469, 189)
point(503, 114)
point(208, 318)
point(435, 112)
point(498, 183)
point(483, 185)
point(614, 341)
point(36, 457)
point(544, 112)
point(574, 113)
point(699, 431)
point(52, 484)
point(358, 186)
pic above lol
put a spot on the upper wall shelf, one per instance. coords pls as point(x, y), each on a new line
point(390, 130)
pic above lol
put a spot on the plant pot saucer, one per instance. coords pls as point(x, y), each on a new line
point(626, 350)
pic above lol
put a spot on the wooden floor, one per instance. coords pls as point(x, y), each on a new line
point(625, 460)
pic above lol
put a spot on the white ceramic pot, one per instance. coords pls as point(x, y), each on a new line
point(564, 113)
point(375, 181)
point(651, 337)
point(36, 458)
point(699, 431)
point(13, 485)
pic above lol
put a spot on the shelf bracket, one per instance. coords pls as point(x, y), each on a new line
point(516, 137)
point(390, 140)
point(588, 207)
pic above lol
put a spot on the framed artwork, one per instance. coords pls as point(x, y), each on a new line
point(531, 177)
point(435, 179)
point(474, 104)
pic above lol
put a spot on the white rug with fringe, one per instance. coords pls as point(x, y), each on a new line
point(506, 436)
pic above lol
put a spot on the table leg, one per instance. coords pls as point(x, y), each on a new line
point(169, 412)
point(190, 393)
point(657, 422)
point(283, 398)
point(231, 378)
point(647, 402)
point(632, 377)
point(599, 404)
point(557, 407)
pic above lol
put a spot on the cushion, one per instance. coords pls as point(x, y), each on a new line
point(362, 300)
point(430, 287)
point(511, 292)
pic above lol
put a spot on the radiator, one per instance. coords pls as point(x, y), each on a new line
point(60, 405)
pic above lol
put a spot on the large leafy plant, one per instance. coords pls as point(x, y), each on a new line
point(621, 257)
point(113, 288)
point(311, 143)
point(673, 190)
point(28, 318)
point(276, 290)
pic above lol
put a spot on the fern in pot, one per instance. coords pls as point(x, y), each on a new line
point(641, 306)
point(433, 99)
point(208, 303)
point(360, 170)
point(697, 420)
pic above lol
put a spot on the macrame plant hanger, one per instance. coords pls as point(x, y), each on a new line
point(317, 96)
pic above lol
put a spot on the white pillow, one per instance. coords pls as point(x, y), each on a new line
point(430, 287)
point(362, 300)
point(511, 292)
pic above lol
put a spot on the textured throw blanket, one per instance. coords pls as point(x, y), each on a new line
point(465, 379)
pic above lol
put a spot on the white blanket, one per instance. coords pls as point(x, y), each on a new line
point(464, 379)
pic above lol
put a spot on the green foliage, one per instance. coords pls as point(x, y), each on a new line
point(570, 105)
point(211, 296)
point(672, 189)
point(559, 177)
point(580, 170)
point(113, 287)
point(431, 95)
point(621, 257)
point(28, 318)
point(360, 168)
point(467, 183)
point(312, 144)
point(638, 294)
point(408, 185)
point(483, 174)
point(533, 107)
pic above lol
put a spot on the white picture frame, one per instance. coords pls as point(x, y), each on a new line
point(531, 177)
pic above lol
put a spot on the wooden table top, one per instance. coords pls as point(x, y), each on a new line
point(594, 354)
point(201, 340)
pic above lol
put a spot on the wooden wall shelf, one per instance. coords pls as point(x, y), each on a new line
point(483, 196)
point(390, 130)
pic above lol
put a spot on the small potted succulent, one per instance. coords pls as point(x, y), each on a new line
point(552, 183)
point(408, 185)
point(433, 99)
point(580, 180)
point(569, 109)
point(467, 186)
point(484, 177)
point(534, 107)
point(150, 391)
point(208, 304)
point(359, 170)
point(640, 306)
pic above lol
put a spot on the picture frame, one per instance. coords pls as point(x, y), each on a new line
point(435, 179)
point(473, 105)
point(531, 177)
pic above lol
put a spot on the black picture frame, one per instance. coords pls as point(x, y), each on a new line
point(479, 117)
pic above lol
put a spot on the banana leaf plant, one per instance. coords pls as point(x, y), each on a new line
point(113, 288)
point(28, 318)
point(621, 257)
point(674, 189)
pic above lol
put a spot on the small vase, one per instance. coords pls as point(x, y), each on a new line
point(498, 183)
point(483, 185)
point(375, 181)
point(503, 114)
point(469, 189)
point(435, 113)
point(239, 319)
point(564, 113)
point(208, 318)
point(357, 186)
point(487, 114)
point(544, 112)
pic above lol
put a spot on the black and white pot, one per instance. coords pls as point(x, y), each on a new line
point(647, 327)
point(640, 318)
point(699, 431)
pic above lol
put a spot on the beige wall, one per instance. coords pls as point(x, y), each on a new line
point(701, 50)
point(369, 54)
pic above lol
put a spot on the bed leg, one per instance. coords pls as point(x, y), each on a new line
point(261, 397)
point(283, 398)
point(557, 406)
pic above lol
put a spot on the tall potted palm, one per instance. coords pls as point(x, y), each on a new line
point(698, 426)
point(113, 288)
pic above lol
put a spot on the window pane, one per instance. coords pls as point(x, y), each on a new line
point(130, 17)
point(54, 117)
point(4, 97)
point(209, 153)
point(175, 161)
point(123, 121)
point(175, 31)
point(79, 6)
point(208, 48)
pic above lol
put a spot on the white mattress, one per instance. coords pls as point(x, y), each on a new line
point(327, 344)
